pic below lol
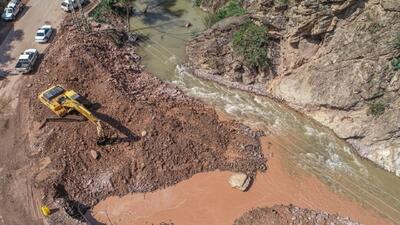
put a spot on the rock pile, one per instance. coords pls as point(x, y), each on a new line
point(290, 215)
point(161, 136)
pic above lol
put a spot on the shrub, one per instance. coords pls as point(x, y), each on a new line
point(374, 27)
point(376, 109)
point(197, 2)
point(396, 63)
point(104, 6)
point(210, 19)
point(232, 8)
point(250, 41)
point(98, 12)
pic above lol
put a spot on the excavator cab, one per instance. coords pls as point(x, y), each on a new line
point(63, 103)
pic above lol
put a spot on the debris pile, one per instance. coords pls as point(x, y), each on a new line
point(290, 215)
point(162, 136)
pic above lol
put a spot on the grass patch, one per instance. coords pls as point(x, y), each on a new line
point(376, 109)
point(231, 8)
point(250, 41)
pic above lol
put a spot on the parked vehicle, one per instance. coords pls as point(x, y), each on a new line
point(43, 34)
point(68, 5)
point(26, 61)
point(11, 10)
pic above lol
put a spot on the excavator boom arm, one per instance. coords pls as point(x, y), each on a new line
point(70, 103)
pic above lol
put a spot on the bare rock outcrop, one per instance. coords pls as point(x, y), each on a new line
point(332, 60)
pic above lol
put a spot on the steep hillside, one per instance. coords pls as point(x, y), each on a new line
point(336, 61)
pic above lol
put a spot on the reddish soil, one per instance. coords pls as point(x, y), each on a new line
point(183, 137)
point(290, 215)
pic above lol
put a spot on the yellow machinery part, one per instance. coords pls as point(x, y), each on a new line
point(45, 210)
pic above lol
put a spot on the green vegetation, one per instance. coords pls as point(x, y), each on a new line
point(396, 63)
point(250, 41)
point(232, 8)
point(376, 109)
point(197, 2)
point(99, 12)
point(374, 28)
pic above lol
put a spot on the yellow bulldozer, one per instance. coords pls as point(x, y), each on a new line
point(63, 103)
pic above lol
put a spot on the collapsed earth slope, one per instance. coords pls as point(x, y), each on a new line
point(336, 61)
point(161, 136)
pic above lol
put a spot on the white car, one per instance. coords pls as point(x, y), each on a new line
point(43, 34)
point(68, 5)
point(26, 61)
point(11, 11)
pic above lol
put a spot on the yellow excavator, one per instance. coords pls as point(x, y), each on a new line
point(63, 102)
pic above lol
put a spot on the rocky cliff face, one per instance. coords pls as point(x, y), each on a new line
point(331, 59)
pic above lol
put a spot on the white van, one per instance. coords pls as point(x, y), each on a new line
point(68, 5)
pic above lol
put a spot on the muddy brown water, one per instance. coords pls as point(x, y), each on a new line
point(310, 166)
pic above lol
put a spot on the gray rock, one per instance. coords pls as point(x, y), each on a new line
point(94, 154)
point(240, 181)
point(393, 5)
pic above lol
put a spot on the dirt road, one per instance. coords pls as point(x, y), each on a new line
point(19, 203)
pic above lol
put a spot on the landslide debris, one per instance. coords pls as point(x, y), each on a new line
point(290, 215)
point(162, 135)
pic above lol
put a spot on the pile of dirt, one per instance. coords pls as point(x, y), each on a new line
point(290, 215)
point(162, 136)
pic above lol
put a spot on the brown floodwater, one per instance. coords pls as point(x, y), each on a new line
point(207, 198)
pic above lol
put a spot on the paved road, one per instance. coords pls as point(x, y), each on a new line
point(19, 205)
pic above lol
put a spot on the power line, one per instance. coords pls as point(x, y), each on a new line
point(313, 167)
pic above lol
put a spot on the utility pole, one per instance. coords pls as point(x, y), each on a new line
point(80, 19)
point(128, 4)
point(83, 18)
point(74, 16)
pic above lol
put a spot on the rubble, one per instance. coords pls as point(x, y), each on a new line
point(94, 154)
point(290, 215)
point(161, 135)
